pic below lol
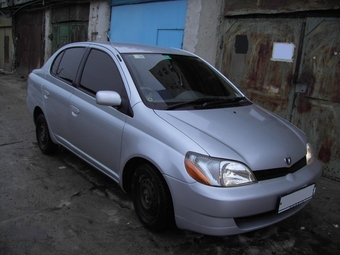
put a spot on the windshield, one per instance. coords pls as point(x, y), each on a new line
point(180, 82)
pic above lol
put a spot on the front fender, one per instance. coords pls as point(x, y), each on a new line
point(149, 137)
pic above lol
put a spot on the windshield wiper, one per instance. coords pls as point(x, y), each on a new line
point(198, 101)
point(223, 101)
point(206, 102)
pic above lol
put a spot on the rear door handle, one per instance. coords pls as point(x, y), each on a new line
point(75, 110)
point(46, 93)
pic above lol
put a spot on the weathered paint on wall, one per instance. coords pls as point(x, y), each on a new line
point(72, 12)
point(47, 34)
point(99, 21)
point(192, 21)
point(244, 7)
point(203, 19)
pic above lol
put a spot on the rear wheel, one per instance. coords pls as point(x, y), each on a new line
point(151, 198)
point(44, 140)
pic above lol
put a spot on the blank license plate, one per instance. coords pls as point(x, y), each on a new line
point(296, 198)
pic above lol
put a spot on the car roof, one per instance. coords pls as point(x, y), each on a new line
point(135, 48)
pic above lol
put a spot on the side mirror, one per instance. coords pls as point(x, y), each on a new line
point(109, 98)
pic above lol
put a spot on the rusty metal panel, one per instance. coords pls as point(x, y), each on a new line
point(266, 82)
point(321, 63)
point(79, 31)
point(6, 43)
point(29, 34)
point(318, 109)
point(61, 35)
point(68, 32)
point(245, 7)
point(321, 123)
point(70, 24)
point(6, 48)
point(305, 91)
point(74, 12)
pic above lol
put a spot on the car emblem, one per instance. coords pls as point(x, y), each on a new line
point(288, 161)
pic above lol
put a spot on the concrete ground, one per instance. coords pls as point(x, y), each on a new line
point(61, 205)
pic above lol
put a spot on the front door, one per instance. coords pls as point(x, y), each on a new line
point(96, 130)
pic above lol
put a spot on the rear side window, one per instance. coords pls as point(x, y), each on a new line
point(101, 73)
point(66, 64)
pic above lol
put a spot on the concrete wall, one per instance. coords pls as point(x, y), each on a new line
point(202, 26)
point(47, 35)
point(99, 21)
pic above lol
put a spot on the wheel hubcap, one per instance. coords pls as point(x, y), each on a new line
point(43, 135)
point(148, 199)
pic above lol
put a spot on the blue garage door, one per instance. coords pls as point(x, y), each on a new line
point(156, 23)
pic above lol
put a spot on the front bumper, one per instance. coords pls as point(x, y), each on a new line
point(228, 211)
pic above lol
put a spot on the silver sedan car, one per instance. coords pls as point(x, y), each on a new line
point(189, 147)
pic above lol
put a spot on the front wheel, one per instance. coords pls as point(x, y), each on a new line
point(44, 140)
point(151, 198)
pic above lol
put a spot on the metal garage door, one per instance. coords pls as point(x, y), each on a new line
point(68, 32)
point(155, 23)
point(303, 86)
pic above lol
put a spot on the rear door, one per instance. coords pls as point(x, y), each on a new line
point(97, 130)
point(57, 91)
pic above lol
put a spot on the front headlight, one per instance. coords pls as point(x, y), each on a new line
point(218, 172)
point(309, 154)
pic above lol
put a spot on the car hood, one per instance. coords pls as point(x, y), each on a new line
point(248, 134)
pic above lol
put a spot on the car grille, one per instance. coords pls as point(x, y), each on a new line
point(279, 172)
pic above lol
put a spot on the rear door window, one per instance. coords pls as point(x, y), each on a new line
point(66, 64)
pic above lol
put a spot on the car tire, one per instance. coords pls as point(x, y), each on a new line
point(152, 199)
point(45, 143)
